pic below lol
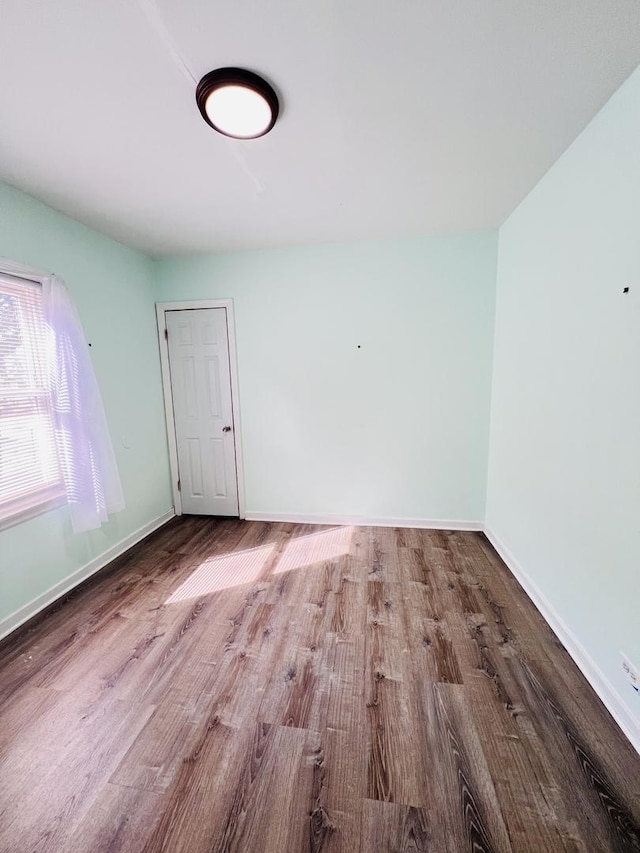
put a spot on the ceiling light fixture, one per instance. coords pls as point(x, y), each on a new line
point(237, 103)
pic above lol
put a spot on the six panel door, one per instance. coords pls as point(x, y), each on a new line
point(201, 390)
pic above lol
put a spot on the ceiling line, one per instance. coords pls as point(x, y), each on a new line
point(152, 13)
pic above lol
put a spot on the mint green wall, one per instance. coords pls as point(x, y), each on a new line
point(397, 428)
point(564, 471)
point(112, 287)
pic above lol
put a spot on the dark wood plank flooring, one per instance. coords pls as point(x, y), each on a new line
point(281, 688)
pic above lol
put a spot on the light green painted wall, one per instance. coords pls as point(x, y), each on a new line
point(398, 428)
point(564, 472)
point(112, 288)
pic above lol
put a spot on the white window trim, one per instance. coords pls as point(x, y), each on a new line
point(9, 267)
point(47, 504)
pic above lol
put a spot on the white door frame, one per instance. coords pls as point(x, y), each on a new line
point(161, 308)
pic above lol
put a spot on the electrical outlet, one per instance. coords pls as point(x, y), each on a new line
point(632, 672)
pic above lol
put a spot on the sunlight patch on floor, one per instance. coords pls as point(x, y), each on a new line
point(314, 548)
point(244, 567)
point(222, 572)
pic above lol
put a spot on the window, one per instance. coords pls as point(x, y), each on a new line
point(30, 479)
point(54, 437)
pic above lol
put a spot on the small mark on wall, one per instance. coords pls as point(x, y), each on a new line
point(625, 290)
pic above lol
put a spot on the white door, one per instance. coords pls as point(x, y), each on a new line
point(198, 344)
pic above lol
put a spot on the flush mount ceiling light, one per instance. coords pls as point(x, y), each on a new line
point(237, 103)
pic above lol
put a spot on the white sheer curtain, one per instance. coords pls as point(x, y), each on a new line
point(85, 453)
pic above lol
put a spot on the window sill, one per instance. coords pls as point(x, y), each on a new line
point(46, 505)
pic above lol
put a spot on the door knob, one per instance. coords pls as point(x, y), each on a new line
point(226, 429)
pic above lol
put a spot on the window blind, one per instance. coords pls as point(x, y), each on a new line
point(29, 471)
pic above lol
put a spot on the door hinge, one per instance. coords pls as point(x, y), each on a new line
point(179, 485)
point(166, 334)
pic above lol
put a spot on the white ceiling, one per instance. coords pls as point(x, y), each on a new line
point(406, 118)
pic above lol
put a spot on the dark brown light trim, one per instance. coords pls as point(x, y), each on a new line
point(236, 77)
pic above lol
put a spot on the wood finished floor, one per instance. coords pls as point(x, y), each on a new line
point(357, 689)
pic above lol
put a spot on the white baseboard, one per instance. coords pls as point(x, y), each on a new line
point(32, 608)
point(609, 696)
point(365, 521)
